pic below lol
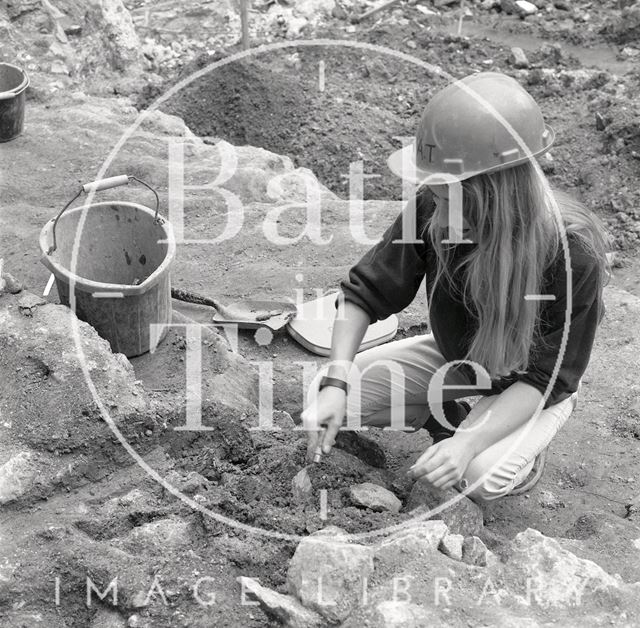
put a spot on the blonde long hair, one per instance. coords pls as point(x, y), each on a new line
point(510, 214)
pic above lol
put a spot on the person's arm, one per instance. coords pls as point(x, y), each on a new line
point(383, 282)
point(330, 405)
point(445, 463)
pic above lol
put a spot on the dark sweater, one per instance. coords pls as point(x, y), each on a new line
point(387, 278)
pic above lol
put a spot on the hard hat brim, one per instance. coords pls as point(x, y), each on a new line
point(403, 164)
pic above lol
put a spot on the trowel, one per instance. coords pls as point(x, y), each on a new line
point(247, 314)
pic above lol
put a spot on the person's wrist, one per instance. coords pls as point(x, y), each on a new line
point(334, 382)
point(467, 441)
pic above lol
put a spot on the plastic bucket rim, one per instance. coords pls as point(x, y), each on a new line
point(88, 285)
point(16, 91)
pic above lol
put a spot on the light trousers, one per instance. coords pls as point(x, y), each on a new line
point(393, 392)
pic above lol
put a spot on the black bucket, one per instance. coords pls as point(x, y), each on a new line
point(13, 87)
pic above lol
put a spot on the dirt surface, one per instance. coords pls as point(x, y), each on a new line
point(367, 98)
point(93, 511)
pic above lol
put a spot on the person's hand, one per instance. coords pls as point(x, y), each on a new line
point(443, 465)
point(329, 410)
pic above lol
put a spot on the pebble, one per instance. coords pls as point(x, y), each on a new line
point(600, 122)
point(550, 501)
point(301, 486)
point(519, 58)
point(526, 8)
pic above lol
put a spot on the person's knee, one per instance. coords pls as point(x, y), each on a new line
point(489, 482)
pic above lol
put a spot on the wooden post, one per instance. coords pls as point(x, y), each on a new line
point(461, 17)
point(244, 18)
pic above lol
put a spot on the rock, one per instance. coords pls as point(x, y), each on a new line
point(106, 618)
point(282, 608)
point(374, 497)
point(525, 8)
point(419, 540)
point(301, 486)
point(633, 508)
point(518, 7)
point(552, 54)
point(550, 501)
point(601, 124)
point(461, 515)
point(625, 29)
point(630, 53)
point(159, 535)
point(189, 483)
point(8, 283)
point(509, 7)
point(112, 22)
point(547, 163)
point(404, 614)
point(518, 58)
point(29, 302)
point(557, 577)
point(295, 26)
point(17, 476)
point(563, 5)
point(451, 546)
point(475, 552)
point(45, 354)
point(327, 574)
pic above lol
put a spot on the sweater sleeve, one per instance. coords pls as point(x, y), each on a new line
point(584, 317)
point(388, 276)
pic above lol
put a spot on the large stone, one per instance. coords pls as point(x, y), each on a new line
point(328, 574)
point(374, 497)
point(557, 578)
point(121, 44)
point(460, 513)
point(415, 539)
point(282, 608)
point(47, 361)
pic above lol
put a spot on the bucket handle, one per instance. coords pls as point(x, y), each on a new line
point(13, 92)
point(97, 186)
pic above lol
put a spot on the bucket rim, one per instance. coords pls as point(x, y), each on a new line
point(16, 91)
point(88, 285)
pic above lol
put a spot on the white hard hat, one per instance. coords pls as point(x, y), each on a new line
point(481, 123)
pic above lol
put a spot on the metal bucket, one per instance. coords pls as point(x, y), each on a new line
point(117, 258)
point(13, 87)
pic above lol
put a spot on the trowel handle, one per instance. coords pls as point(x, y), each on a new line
point(105, 184)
